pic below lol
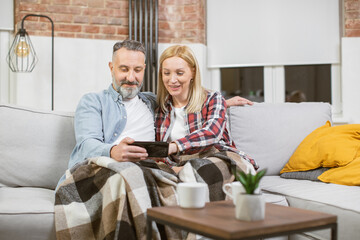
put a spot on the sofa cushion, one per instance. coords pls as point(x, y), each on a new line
point(346, 175)
point(27, 213)
point(326, 147)
point(270, 133)
point(35, 146)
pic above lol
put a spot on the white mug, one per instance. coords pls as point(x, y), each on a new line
point(192, 194)
point(236, 188)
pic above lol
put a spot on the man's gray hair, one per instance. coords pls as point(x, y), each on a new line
point(131, 45)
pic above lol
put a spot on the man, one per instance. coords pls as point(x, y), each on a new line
point(110, 183)
point(104, 121)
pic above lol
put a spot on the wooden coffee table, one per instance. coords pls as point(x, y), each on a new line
point(217, 220)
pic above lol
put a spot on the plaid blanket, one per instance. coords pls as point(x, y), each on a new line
point(105, 199)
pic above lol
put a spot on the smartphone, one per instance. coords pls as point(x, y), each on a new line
point(154, 149)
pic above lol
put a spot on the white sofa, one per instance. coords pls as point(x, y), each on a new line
point(35, 147)
point(270, 133)
point(34, 151)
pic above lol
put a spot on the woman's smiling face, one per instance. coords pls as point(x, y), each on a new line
point(177, 76)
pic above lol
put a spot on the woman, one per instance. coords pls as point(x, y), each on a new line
point(191, 118)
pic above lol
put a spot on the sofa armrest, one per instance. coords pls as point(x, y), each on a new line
point(35, 146)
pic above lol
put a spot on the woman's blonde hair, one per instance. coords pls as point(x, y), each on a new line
point(197, 93)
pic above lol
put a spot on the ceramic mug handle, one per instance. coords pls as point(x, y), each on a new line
point(225, 189)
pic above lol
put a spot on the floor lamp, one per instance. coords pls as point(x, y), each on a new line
point(22, 56)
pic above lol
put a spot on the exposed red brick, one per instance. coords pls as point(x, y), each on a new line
point(29, 7)
point(67, 28)
point(116, 13)
point(191, 8)
point(167, 2)
point(98, 20)
point(351, 5)
point(192, 25)
point(64, 34)
point(34, 19)
point(80, 2)
point(108, 30)
point(39, 33)
point(75, 10)
point(96, 3)
point(91, 29)
point(81, 19)
point(352, 33)
point(125, 21)
point(61, 18)
point(115, 21)
point(108, 37)
point(179, 21)
point(93, 12)
point(84, 35)
point(175, 26)
point(122, 31)
point(36, 26)
point(61, 2)
point(190, 17)
point(30, 1)
point(113, 4)
point(352, 24)
point(186, 2)
point(164, 25)
point(352, 15)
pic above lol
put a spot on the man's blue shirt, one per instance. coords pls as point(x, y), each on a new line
point(99, 120)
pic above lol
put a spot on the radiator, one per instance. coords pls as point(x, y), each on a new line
point(143, 27)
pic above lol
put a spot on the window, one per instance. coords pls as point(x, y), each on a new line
point(308, 83)
point(247, 82)
point(299, 83)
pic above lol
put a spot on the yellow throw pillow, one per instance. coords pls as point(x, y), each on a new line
point(326, 146)
point(347, 175)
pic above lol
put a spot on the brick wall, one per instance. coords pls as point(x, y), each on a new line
point(182, 21)
point(352, 18)
point(179, 21)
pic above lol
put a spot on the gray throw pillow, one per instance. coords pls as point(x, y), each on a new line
point(305, 175)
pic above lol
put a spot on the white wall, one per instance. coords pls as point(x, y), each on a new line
point(80, 66)
point(351, 79)
point(4, 68)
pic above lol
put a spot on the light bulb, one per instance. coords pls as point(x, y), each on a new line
point(22, 49)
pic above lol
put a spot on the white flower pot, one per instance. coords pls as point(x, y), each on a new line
point(250, 207)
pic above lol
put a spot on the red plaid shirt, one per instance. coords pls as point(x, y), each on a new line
point(205, 129)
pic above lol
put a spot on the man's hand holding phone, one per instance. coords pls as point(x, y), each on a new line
point(126, 152)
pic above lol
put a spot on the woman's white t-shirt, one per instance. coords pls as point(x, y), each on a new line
point(178, 130)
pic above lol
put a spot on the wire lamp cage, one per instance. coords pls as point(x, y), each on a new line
point(22, 56)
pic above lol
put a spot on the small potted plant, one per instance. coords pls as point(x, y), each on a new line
point(250, 206)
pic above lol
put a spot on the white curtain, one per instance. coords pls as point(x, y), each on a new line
point(272, 32)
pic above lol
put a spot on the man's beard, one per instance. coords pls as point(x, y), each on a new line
point(127, 92)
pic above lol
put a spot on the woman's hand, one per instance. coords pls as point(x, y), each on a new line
point(173, 149)
point(238, 101)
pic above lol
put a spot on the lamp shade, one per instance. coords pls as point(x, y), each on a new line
point(22, 56)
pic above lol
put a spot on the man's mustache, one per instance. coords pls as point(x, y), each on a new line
point(129, 83)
